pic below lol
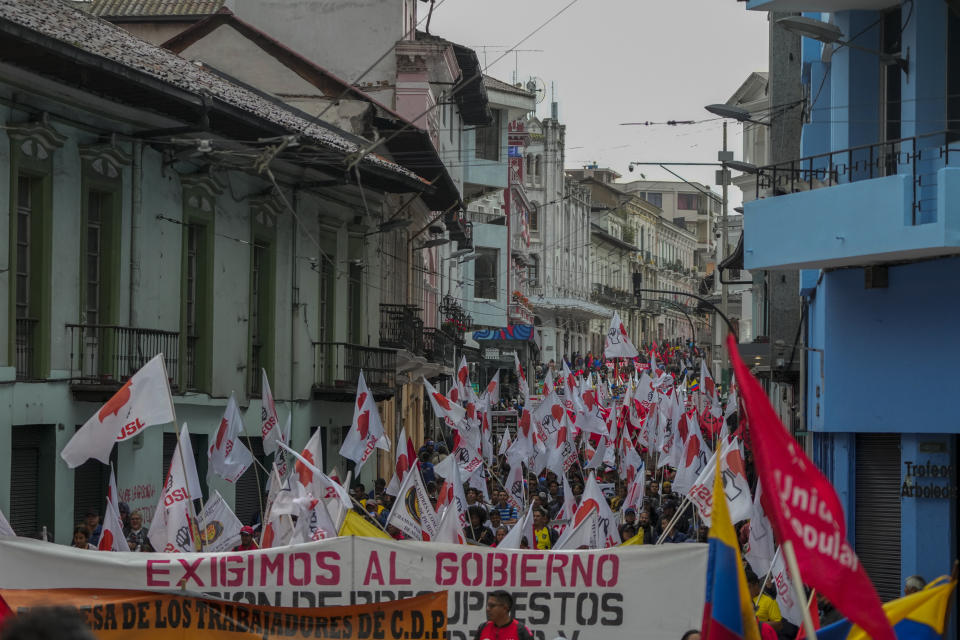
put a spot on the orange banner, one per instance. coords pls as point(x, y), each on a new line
point(141, 615)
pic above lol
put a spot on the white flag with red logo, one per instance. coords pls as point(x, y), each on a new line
point(5, 528)
point(461, 390)
point(694, 455)
point(569, 508)
point(618, 344)
point(451, 494)
point(631, 464)
point(269, 422)
point(760, 547)
point(366, 430)
point(582, 533)
point(516, 494)
point(634, 499)
point(406, 458)
point(592, 419)
point(228, 458)
point(504, 442)
point(449, 530)
point(595, 457)
point(321, 486)
point(709, 390)
point(563, 452)
point(303, 477)
point(450, 412)
point(522, 381)
point(593, 500)
point(735, 485)
point(143, 400)
point(491, 395)
point(174, 524)
point(313, 523)
point(523, 529)
point(112, 538)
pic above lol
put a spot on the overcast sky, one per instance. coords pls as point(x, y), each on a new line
point(614, 61)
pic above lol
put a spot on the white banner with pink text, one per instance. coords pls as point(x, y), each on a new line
point(616, 594)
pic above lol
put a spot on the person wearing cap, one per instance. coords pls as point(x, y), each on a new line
point(247, 543)
point(92, 522)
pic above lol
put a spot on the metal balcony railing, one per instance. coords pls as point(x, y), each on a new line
point(26, 347)
point(919, 157)
point(604, 294)
point(438, 346)
point(337, 366)
point(107, 355)
point(401, 327)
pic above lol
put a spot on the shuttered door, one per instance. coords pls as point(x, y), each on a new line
point(877, 511)
point(250, 486)
point(25, 482)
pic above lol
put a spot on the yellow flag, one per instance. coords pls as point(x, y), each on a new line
point(355, 525)
point(637, 539)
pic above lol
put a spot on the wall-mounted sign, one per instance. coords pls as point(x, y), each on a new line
point(919, 480)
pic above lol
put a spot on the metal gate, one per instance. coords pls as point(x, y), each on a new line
point(877, 511)
point(31, 479)
point(250, 487)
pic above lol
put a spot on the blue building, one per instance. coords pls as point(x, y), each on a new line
point(871, 216)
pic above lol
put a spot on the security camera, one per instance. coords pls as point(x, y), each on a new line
point(630, 168)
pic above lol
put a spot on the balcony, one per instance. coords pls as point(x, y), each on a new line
point(337, 367)
point(438, 346)
point(603, 294)
point(104, 356)
point(519, 314)
point(401, 328)
point(817, 5)
point(893, 201)
point(26, 348)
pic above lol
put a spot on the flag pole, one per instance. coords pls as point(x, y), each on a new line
point(790, 556)
point(676, 517)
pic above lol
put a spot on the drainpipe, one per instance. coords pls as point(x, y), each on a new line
point(136, 203)
point(295, 295)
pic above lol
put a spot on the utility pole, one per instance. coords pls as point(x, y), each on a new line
point(724, 174)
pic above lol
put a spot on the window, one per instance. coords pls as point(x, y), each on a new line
point(533, 271)
point(486, 274)
point(687, 201)
point(953, 76)
point(534, 217)
point(355, 305)
point(261, 314)
point(653, 197)
point(196, 306)
point(488, 139)
point(27, 307)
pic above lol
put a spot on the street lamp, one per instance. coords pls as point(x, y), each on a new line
point(832, 34)
point(734, 113)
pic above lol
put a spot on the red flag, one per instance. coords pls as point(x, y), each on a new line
point(5, 611)
point(805, 510)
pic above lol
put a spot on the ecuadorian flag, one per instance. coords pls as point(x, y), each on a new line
point(918, 616)
point(728, 613)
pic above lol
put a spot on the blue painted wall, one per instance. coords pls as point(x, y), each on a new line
point(890, 354)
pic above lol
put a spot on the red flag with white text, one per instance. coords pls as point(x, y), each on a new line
point(805, 510)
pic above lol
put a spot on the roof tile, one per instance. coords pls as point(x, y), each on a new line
point(153, 8)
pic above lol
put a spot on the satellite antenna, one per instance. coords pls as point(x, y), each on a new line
point(537, 86)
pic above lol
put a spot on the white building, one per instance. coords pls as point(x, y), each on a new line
point(559, 271)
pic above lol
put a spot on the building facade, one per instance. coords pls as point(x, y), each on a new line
point(131, 234)
point(559, 269)
point(875, 237)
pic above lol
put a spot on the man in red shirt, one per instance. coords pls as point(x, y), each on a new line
point(500, 624)
point(247, 543)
